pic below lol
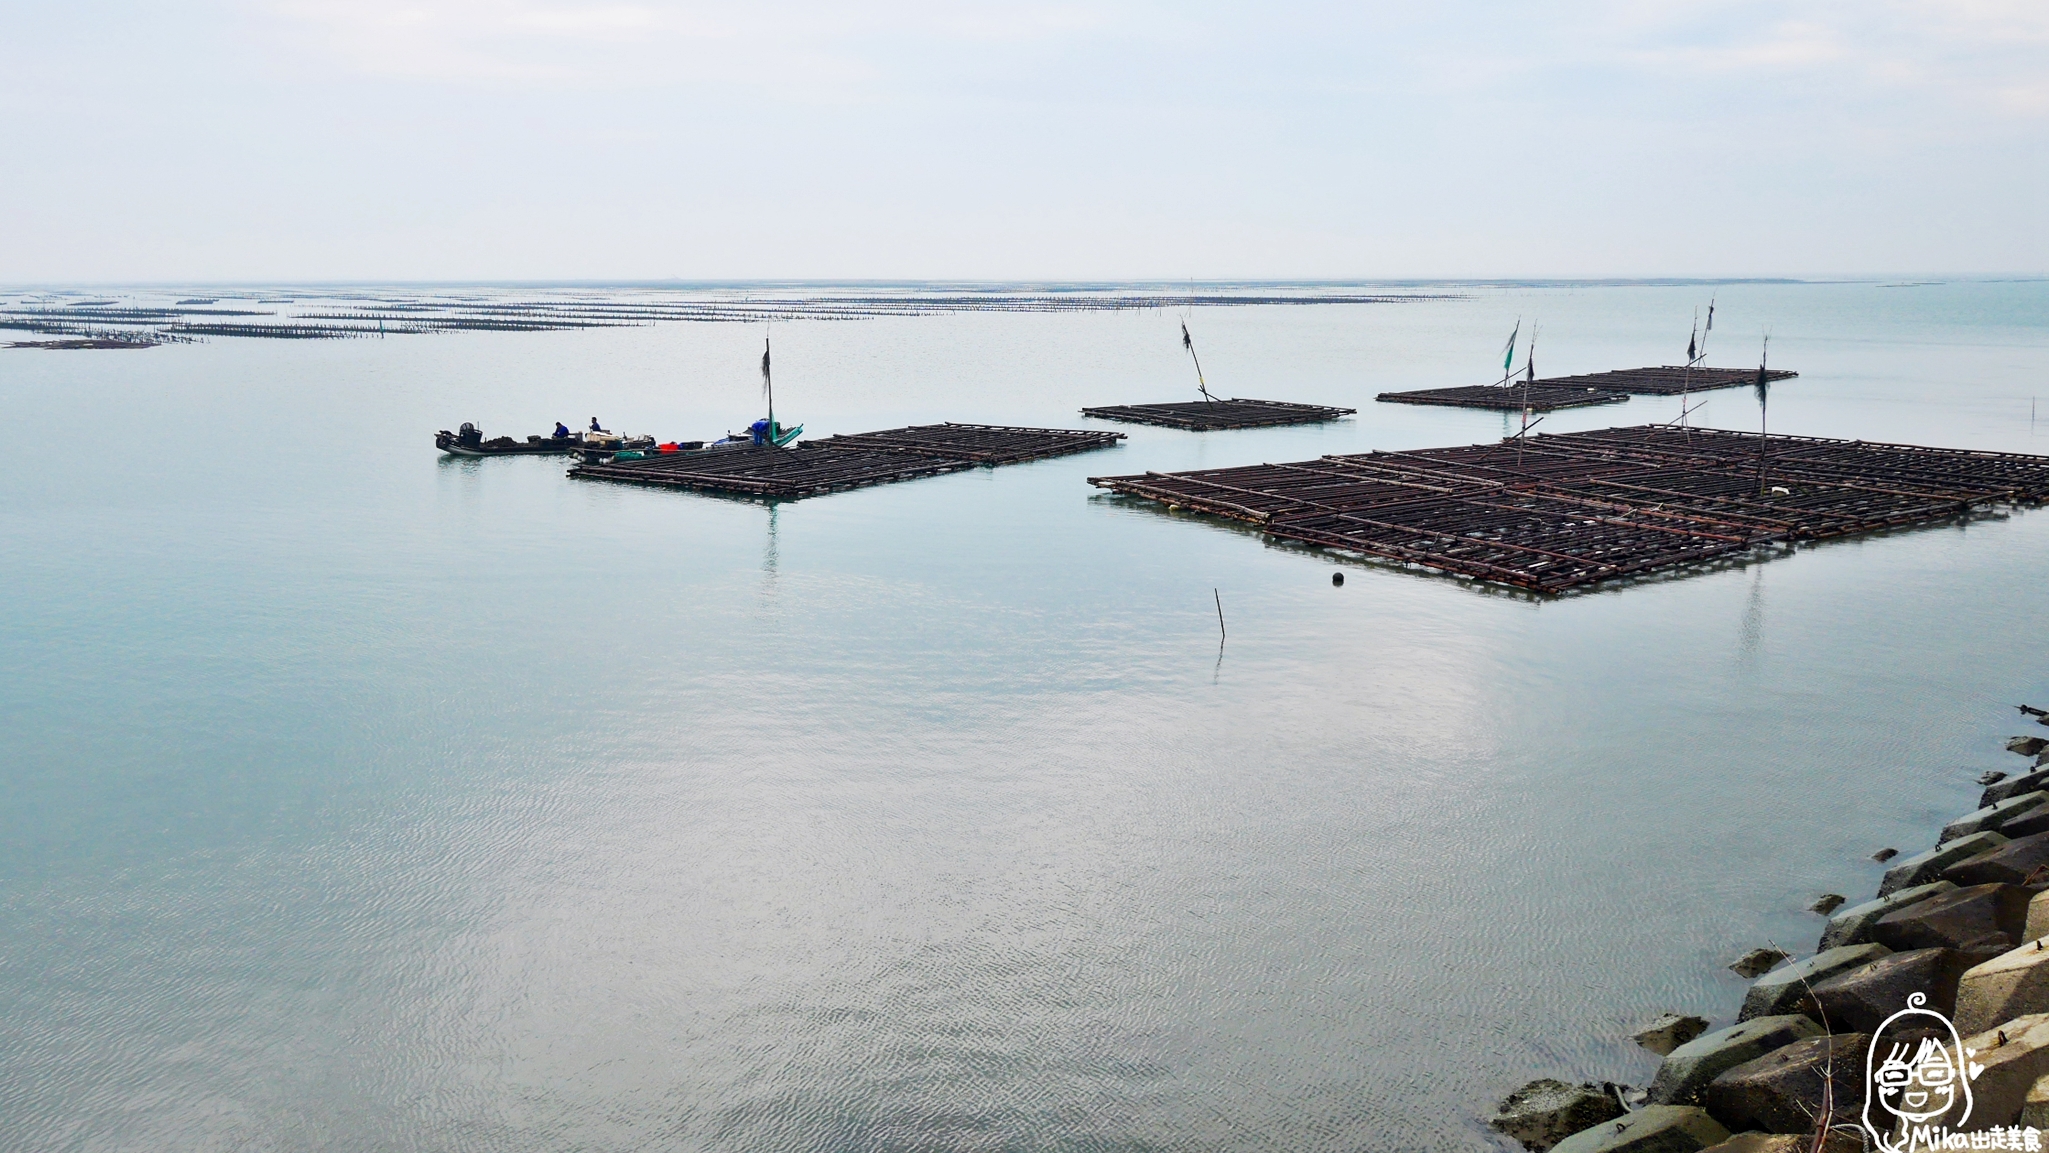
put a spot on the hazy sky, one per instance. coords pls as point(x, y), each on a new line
point(454, 139)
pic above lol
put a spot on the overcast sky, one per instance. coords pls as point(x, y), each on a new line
point(535, 139)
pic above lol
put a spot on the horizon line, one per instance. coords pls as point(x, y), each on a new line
point(1051, 283)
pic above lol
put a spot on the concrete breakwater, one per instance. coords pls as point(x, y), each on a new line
point(1960, 930)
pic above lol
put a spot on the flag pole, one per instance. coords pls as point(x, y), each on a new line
point(1686, 377)
point(1529, 376)
point(1508, 354)
point(1508, 374)
point(1763, 394)
point(1693, 358)
point(1188, 342)
point(768, 387)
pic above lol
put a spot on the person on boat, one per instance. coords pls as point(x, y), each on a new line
point(594, 425)
point(561, 431)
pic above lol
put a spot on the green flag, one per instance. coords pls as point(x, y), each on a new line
point(1508, 353)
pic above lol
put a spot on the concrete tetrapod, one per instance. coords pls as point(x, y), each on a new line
point(1684, 1077)
point(2018, 862)
point(1852, 926)
point(1836, 1142)
point(1783, 990)
point(1757, 961)
point(2038, 918)
point(2011, 985)
point(2014, 1056)
point(1545, 1112)
point(1922, 868)
point(1982, 919)
point(1864, 997)
point(2035, 1112)
point(1669, 1031)
point(2026, 824)
point(2014, 786)
point(1992, 816)
point(1651, 1129)
point(1781, 1092)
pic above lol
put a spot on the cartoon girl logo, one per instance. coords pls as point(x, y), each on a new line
point(1913, 1077)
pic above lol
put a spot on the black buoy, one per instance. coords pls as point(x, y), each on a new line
point(1337, 578)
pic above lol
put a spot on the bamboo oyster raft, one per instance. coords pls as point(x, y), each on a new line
point(1552, 513)
point(852, 461)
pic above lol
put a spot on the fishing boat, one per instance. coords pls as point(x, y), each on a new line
point(600, 446)
point(469, 441)
point(769, 431)
point(643, 452)
point(600, 442)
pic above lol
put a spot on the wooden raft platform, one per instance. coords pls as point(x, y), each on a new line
point(1205, 415)
point(1670, 380)
point(1577, 509)
point(1587, 389)
point(1544, 396)
point(838, 463)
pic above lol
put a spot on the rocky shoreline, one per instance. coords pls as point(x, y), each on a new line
point(1962, 929)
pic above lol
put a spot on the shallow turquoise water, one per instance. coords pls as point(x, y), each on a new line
point(356, 798)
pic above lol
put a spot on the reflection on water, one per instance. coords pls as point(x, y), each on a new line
point(360, 799)
point(1223, 636)
point(1753, 617)
point(768, 556)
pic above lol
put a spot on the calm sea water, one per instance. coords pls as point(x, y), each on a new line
point(356, 798)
